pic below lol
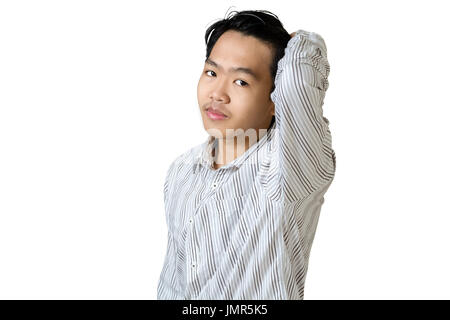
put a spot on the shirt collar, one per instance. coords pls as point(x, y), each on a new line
point(205, 158)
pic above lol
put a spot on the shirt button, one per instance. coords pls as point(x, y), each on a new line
point(193, 264)
point(214, 185)
point(190, 220)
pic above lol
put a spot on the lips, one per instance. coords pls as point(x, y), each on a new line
point(215, 115)
point(217, 112)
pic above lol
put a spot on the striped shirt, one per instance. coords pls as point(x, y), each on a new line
point(245, 230)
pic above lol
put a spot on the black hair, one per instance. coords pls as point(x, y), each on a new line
point(261, 24)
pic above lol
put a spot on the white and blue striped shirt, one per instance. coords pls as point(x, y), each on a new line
point(245, 230)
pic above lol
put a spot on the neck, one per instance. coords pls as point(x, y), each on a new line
point(231, 148)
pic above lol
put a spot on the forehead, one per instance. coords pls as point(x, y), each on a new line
point(234, 49)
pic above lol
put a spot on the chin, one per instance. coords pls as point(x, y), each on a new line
point(217, 131)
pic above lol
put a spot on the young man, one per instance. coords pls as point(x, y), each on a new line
point(242, 213)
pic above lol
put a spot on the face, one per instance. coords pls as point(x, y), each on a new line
point(236, 80)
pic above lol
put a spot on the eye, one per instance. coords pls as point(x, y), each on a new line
point(243, 85)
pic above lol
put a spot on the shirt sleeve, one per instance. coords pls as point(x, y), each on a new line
point(168, 288)
point(305, 157)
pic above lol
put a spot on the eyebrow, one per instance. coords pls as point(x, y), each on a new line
point(234, 70)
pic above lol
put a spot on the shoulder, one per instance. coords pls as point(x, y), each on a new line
point(185, 160)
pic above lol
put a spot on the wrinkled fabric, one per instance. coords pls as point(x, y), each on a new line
point(245, 230)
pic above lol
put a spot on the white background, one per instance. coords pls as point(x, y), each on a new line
point(97, 98)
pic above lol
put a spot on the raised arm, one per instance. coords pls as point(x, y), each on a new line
point(306, 159)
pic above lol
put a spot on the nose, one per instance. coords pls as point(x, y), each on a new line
point(219, 91)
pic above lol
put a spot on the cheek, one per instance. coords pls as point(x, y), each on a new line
point(241, 116)
point(199, 85)
point(201, 88)
point(249, 115)
point(246, 107)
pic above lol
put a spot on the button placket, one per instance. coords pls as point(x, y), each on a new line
point(193, 256)
point(191, 218)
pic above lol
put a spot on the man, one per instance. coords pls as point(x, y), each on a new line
point(242, 213)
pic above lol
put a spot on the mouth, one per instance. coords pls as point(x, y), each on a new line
point(215, 115)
